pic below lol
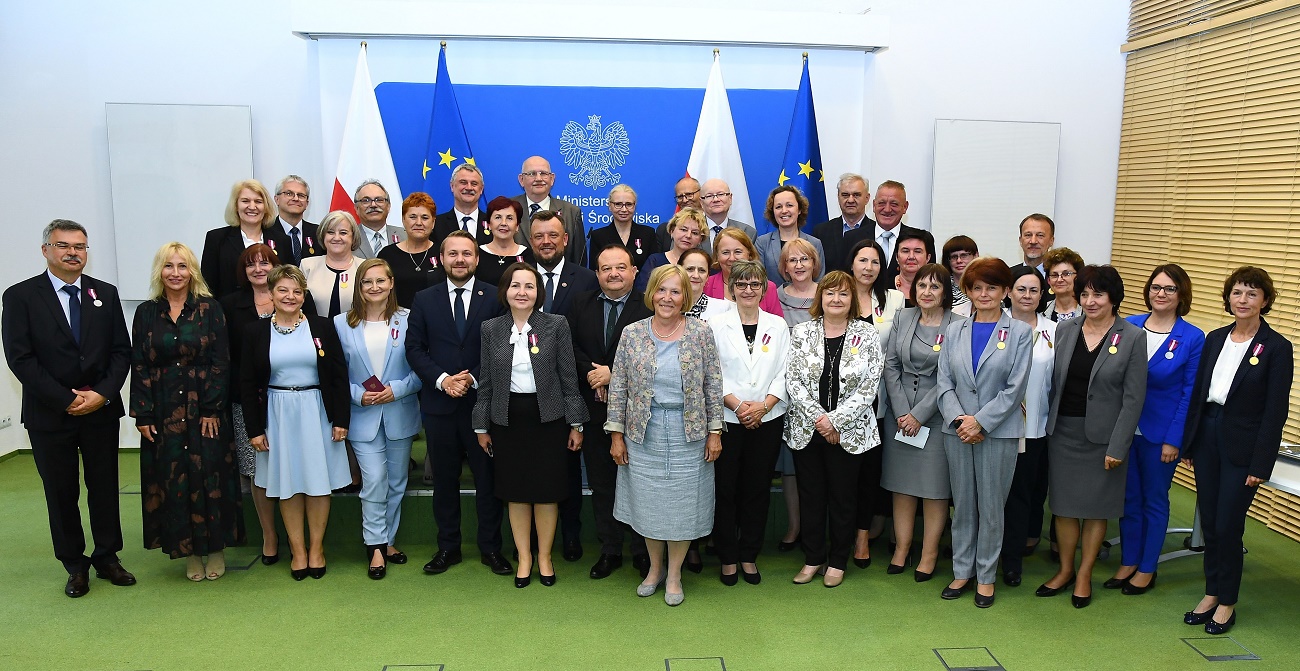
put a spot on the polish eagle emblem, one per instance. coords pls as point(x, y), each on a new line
point(595, 151)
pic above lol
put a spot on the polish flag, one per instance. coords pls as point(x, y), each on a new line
point(715, 153)
point(364, 153)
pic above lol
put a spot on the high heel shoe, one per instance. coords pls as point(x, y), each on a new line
point(523, 582)
point(316, 573)
point(298, 573)
point(1081, 601)
point(695, 565)
point(376, 572)
point(751, 578)
point(862, 563)
point(1132, 590)
point(1044, 590)
point(546, 580)
point(1216, 628)
point(267, 560)
point(895, 569)
point(804, 576)
point(921, 576)
point(783, 546)
point(729, 579)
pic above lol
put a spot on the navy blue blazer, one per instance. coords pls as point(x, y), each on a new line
point(433, 347)
point(1169, 382)
point(1256, 408)
point(401, 417)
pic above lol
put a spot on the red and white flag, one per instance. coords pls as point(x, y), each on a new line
point(364, 153)
point(715, 153)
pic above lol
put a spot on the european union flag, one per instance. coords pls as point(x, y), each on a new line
point(448, 145)
point(802, 165)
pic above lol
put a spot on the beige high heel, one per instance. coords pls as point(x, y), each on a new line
point(807, 573)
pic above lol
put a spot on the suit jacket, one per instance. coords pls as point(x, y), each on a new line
point(860, 371)
point(400, 417)
point(308, 236)
point(555, 374)
point(571, 215)
point(836, 243)
point(587, 325)
point(1170, 381)
point(449, 222)
point(255, 374)
point(392, 235)
point(868, 229)
point(320, 283)
point(911, 390)
point(573, 280)
point(240, 310)
point(641, 242)
point(992, 394)
point(220, 258)
point(434, 349)
point(666, 240)
point(769, 253)
point(1256, 408)
point(1116, 387)
point(47, 361)
point(631, 386)
point(752, 375)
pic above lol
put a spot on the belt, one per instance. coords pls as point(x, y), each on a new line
point(271, 386)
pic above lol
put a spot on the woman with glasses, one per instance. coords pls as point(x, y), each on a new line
point(640, 240)
point(1063, 265)
point(331, 278)
point(958, 252)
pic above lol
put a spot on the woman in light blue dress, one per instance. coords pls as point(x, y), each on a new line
point(296, 407)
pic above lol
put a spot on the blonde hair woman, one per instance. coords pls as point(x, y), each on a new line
point(249, 211)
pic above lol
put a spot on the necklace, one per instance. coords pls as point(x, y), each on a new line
point(286, 330)
point(670, 333)
point(422, 258)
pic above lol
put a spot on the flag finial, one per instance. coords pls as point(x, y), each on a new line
point(443, 43)
point(805, 55)
point(716, 52)
point(363, 44)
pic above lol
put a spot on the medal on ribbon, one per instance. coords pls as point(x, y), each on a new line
point(938, 342)
point(1254, 354)
point(394, 332)
point(1002, 338)
point(343, 281)
point(1114, 344)
point(532, 340)
point(94, 297)
point(766, 339)
point(320, 351)
point(310, 249)
point(638, 246)
point(853, 344)
point(1173, 345)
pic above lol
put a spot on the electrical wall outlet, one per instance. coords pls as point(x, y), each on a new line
point(6, 422)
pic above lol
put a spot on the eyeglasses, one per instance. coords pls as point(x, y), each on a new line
point(752, 286)
point(960, 256)
point(1158, 289)
point(1062, 276)
point(798, 261)
point(681, 197)
point(292, 195)
point(373, 201)
point(534, 174)
point(621, 206)
point(63, 246)
point(711, 196)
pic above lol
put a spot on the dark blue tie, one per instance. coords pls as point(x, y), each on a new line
point(74, 310)
point(297, 245)
point(458, 312)
point(549, 288)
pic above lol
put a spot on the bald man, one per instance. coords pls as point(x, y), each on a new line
point(537, 180)
point(714, 199)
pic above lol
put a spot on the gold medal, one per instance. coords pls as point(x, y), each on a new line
point(1254, 361)
point(534, 350)
point(1113, 350)
point(853, 350)
point(764, 348)
point(1002, 345)
point(939, 347)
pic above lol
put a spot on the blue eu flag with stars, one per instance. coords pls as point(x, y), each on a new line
point(802, 165)
point(448, 145)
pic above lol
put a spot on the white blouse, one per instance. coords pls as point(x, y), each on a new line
point(1225, 368)
point(1042, 363)
point(376, 334)
point(521, 365)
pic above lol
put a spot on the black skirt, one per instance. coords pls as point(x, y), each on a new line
point(529, 456)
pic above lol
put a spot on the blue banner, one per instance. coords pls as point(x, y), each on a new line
point(802, 166)
point(448, 144)
point(507, 124)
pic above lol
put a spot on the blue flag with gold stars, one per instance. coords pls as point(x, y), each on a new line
point(448, 144)
point(802, 165)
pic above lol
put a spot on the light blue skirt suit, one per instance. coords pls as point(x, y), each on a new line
point(381, 435)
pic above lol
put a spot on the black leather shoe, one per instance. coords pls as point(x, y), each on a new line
point(982, 601)
point(398, 557)
point(751, 578)
point(921, 576)
point(1044, 590)
point(523, 582)
point(546, 580)
point(377, 572)
point(605, 566)
point(298, 573)
point(729, 579)
point(783, 546)
point(1192, 617)
point(1011, 578)
point(642, 565)
point(862, 563)
point(1212, 627)
point(78, 585)
point(694, 563)
point(572, 550)
point(895, 569)
point(442, 560)
point(1080, 601)
point(1117, 583)
point(316, 572)
point(950, 593)
point(497, 563)
point(115, 574)
point(1133, 590)
point(268, 560)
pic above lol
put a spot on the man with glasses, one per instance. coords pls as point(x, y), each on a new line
point(292, 238)
point(66, 341)
point(372, 201)
point(687, 193)
point(639, 239)
point(464, 214)
point(537, 180)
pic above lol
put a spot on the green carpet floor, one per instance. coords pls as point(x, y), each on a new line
point(468, 619)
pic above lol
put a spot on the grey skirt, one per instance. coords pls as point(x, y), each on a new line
point(666, 492)
point(913, 471)
point(1079, 484)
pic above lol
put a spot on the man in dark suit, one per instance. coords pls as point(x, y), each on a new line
point(292, 238)
point(66, 341)
point(888, 229)
point(686, 192)
point(562, 280)
point(537, 179)
point(597, 320)
point(442, 346)
point(464, 214)
point(840, 234)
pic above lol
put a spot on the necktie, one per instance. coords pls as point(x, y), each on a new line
point(458, 312)
point(74, 310)
point(465, 225)
point(378, 241)
point(532, 209)
point(717, 230)
point(611, 318)
point(297, 244)
point(885, 238)
point(550, 292)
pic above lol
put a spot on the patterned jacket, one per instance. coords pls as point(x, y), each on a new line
point(860, 372)
point(631, 386)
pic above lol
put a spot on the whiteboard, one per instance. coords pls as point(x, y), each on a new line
point(171, 168)
point(988, 176)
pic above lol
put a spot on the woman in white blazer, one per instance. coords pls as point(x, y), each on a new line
point(983, 372)
point(332, 278)
point(385, 407)
point(752, 347)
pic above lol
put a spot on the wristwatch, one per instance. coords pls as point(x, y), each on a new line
point(577, 427)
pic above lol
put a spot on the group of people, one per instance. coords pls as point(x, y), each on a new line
point(682, 366)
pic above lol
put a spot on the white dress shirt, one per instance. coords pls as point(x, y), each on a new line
point(451, 296)
point(1225, 369)
point(473, 221)
point(376, 238)
point(887, 240)
point(64, 298)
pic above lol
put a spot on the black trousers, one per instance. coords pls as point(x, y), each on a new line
point(1222, 498)
point(828, 491)
point(55, 453)
point(742, 477)
point(871, 496)
point(571, 507)
point(602, 474)
point(1034, 526)
point(451, 440)
point(1018, 513)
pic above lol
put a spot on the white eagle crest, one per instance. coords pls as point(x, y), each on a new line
point(594, 151)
